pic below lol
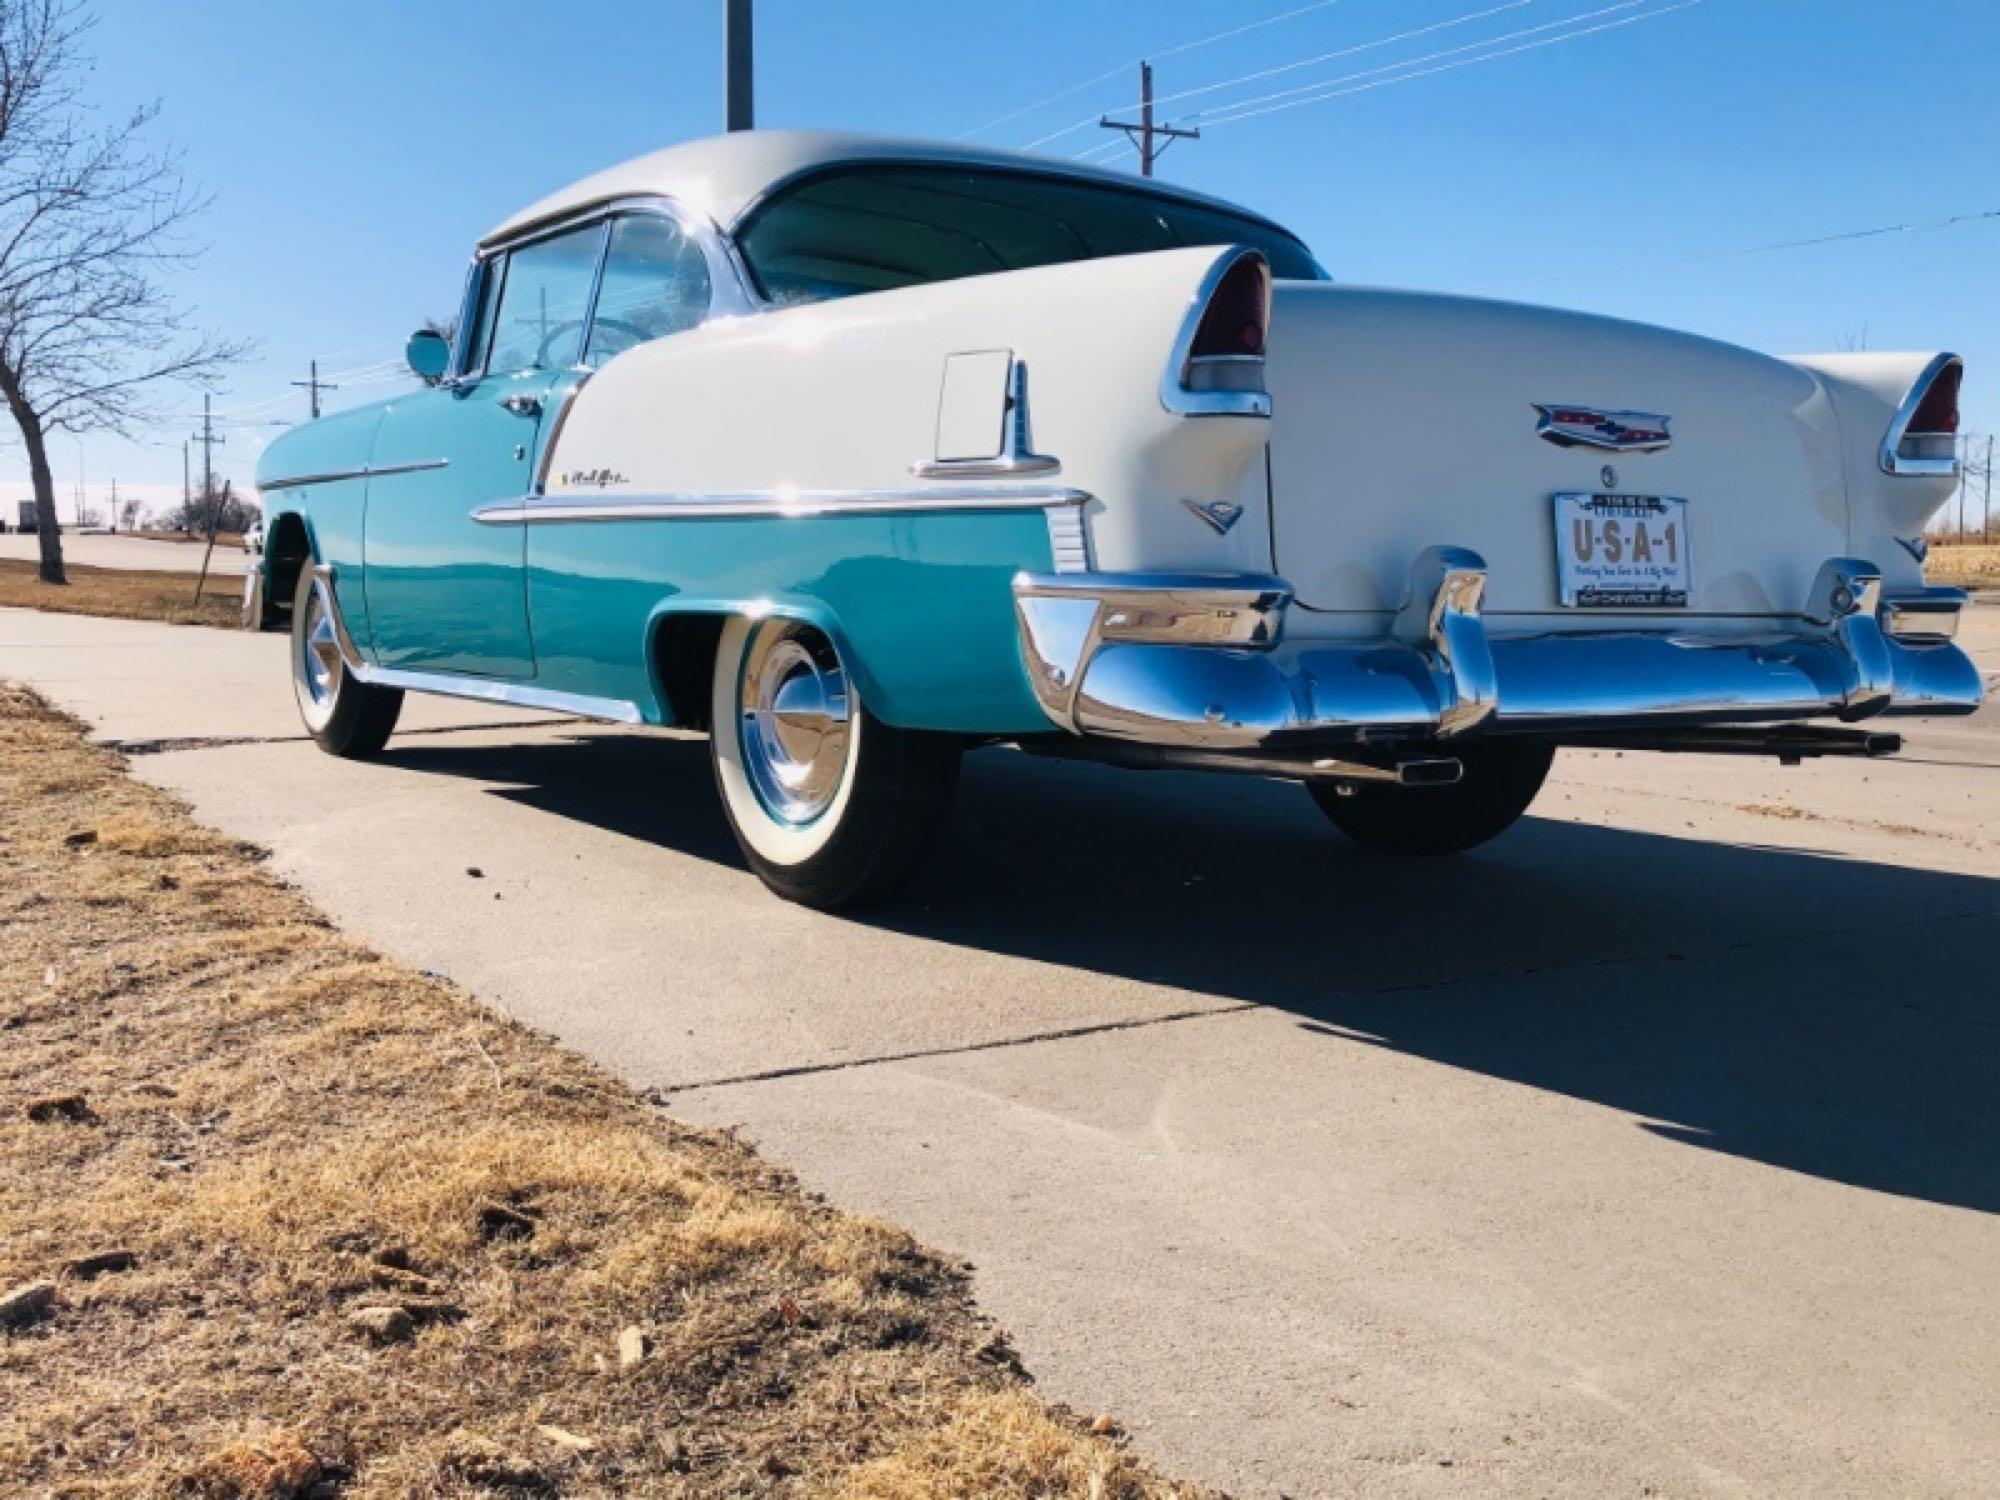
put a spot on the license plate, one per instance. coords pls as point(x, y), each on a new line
point(1622, 552)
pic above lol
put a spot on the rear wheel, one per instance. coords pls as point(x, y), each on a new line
point(346, 717)
point(831, 806)
point(1501, 778)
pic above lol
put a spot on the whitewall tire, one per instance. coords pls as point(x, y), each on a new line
point(345, 716)
point(830, 806)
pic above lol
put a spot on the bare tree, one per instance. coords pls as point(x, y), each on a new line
point(91, 220)
point(128, 514)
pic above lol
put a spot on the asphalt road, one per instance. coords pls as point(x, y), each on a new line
point(1653, 1150)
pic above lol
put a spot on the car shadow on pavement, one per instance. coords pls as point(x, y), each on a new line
point(1809, 1010)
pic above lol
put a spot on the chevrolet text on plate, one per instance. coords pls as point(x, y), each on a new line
point(859, 453)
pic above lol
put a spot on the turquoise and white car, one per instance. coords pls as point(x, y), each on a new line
point(859, 453)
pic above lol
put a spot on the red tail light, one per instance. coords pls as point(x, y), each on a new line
point(1238, 315)
point(1923, 440)
point(1938, 411)
point(1218, 368)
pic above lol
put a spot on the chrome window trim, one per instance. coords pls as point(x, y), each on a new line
point(728, 294)
point(775, 504)
point(1892, 459)
point(366, 471)
point(1175, 395)
point(1051, 171)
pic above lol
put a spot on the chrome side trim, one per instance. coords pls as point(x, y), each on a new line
point(366, 471)
point(1002, 467)
point(1175, 395)
point(515, 694)
point(450, 685)
point(1069, 539)
point(772, 504)
point(1892, 459)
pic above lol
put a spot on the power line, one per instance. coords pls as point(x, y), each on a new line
point(1413, 69)
point(1341, 93)
point(1925, 226)
point(1157, 53)
point(1290, 67)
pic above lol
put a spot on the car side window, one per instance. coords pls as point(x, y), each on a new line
point(655, 283)
point(544, 301)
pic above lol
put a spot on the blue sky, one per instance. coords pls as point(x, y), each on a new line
point(356, 151)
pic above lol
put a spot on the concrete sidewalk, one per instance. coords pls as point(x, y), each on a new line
point(1652, 1147)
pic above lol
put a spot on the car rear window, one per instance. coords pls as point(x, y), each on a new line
point(871, 229)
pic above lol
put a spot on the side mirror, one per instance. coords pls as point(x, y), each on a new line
point(429, 354)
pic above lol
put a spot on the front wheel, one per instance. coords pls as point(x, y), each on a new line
point(345, 716)
point(831, 806)
point(1501, 778)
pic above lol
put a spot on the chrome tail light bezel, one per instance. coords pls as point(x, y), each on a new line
point(1895, 458)
point(1218, 385)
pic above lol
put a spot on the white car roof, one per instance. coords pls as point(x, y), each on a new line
point(724, 176)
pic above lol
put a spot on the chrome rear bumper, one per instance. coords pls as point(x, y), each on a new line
point(1200, 661)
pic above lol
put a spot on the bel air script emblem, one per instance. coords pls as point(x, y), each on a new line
point(593, 478)
point(1615, 431)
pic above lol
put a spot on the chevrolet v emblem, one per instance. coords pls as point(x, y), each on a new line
point(1220, 514)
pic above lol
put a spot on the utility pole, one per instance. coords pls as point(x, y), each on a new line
point(114, 507)
point(1144, 132)
point(314, 385)
point(738, 74)
point(208, 440)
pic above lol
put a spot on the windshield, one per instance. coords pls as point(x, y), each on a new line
point(870, 229)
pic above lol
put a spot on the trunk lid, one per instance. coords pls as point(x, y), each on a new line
point(1406, 420)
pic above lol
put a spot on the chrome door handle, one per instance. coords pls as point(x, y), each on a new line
point(523, 405)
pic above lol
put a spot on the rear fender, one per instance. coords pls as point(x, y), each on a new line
point(1887, 513)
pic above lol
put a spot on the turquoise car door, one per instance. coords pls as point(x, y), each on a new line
point(445, 592)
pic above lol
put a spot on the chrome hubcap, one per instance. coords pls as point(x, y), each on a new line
point(320, 659)
point(795, 716)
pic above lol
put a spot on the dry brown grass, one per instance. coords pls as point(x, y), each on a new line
point(1966, 566)
point(385, 1244)
point(124, 594)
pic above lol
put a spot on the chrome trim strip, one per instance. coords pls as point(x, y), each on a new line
point(985, 468)
point(366, 471)
point(728, 295)
point(515, 694)
point(1069, 539)
point(1175, 395)
point(1891, 457)
point(449, 685)
point(770, 504)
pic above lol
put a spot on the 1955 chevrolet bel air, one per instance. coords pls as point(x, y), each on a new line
point(858, 453)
